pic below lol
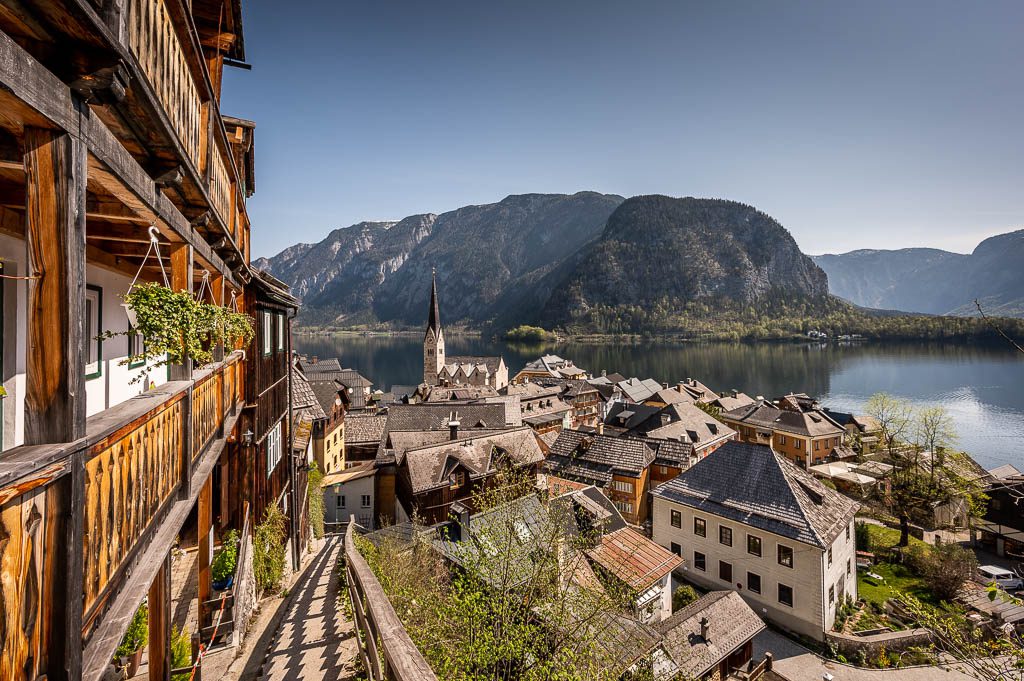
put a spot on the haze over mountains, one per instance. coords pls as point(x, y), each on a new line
point(931, 280)
point(553, 259)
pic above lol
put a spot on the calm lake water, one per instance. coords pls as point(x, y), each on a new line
point(981, 387)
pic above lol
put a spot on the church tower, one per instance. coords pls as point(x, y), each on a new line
point(433, 340)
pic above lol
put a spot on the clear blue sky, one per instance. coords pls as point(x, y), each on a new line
point(855, 124)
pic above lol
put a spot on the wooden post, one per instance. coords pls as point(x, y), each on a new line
point(160, 624)
point(205, 537)
point(217, 288)
point(181, 280)
point(55, 174)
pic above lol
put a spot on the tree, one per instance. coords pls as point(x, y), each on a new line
point(683, 596)
point(934, 433)
point(894, 418)
point(947, 567)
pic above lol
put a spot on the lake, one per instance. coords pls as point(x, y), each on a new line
point(982, 388)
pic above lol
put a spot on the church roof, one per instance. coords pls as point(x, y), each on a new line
point(434, 317)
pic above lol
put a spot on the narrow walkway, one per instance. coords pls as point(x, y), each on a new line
point(315, 640)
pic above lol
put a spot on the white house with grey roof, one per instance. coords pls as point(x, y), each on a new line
point(747, 519)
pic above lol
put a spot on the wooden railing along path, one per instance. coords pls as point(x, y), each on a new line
point(77, 517)
point(387, 652)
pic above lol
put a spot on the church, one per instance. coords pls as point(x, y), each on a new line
point(448, 371)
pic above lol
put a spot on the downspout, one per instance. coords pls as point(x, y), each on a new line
point(291, 450)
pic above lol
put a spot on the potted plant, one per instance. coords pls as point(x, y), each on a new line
point(129, 652)
point(225, 562)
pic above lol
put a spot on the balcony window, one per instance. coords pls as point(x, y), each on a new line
point(700, 528)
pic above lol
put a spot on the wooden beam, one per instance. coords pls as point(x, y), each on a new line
point(160, 624)
point(205, 538)
point(181, 280)
point(55, 174)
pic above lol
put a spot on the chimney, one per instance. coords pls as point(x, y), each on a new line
point(453, 426)
point(664, 385)
point(604, 372)
point(689, 381)
point(600, 427)
point(666, 418)
point(704, 628)
point(679, 387)
point(759, 398)
point(314, 359)
point(460, 514)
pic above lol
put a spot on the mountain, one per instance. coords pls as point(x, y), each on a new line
point(488, 259)
point(658, 252)
point(931, 280)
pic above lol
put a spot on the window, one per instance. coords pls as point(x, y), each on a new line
point(677, 549)
point(786, 595)
point(677, 519)
point(268, 330)
point(624, 506)
point(620, 486)
point(273, 445)
point(785, 556)
point(280, 331)
point(817, 444)
point(832, 594)
point(700, 528)
point(797, 442)
point(782, 439)
point(725, 535)
point(699, 561)
point(830, 556)
point(341, 501)
point(93, 328)
point(136, 349)
point(847, 533)
point(365, 501)
point(847, 567)
point(725, 571)
point(754, 582)
point(753, 545)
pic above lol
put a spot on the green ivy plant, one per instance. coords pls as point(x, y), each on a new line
point(226, 560)
point(175, 326)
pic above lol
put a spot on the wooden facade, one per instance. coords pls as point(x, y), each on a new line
point(112, 143)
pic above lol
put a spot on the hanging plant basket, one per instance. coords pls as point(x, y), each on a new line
point(130, 314)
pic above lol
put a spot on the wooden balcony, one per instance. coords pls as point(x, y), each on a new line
point(88, 523)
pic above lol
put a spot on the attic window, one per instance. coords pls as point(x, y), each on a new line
point(816, 496)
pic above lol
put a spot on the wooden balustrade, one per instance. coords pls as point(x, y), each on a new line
point(207, 410)
point(129, 476)
point(387, 652)
point(221, 188)
point(153, 40)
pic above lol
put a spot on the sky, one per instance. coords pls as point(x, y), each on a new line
point(854, 124)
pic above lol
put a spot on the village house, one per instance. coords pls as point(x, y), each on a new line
point(441, 369)
point(711, 639)
point(349, 495)
point(363, 433)
point(644, 567)
point(796, 428)
point(748, 519)
point(681, 421)
point(541, 406)
point(863, 431)
point(330, 371)
point(585, 401)
point(549, 366)
point(624, 467)
point(308, 416)
point(118, 169)
point(329, 434)
point(1001, 529)
point(432, 477)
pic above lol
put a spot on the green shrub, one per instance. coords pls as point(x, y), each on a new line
point(181, 653)
point(863, 536)
point(136, 635)
point(315, 509)
point(268, 550)
point(683, 596)
point(528, 334)
point(226, 560)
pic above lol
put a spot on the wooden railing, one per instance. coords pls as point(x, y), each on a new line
point(221, 188)
point(245, 582)
point(207, 410)
point(385, 648)
point(153, 40)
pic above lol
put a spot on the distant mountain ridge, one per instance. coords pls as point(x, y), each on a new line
point(552, 258)
point(933, 281)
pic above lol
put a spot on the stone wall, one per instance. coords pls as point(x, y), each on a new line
point(898, 641)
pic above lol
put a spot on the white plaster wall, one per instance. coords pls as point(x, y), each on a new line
point(112, 387)
point(353, 491)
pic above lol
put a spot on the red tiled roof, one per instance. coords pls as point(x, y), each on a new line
point(634, 558)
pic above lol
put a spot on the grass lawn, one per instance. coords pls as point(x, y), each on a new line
point(896, 578)
point(880, 537)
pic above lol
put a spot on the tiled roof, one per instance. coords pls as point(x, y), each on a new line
point(326, 392)
point(628, 416)
point(435, 416)
point(361, 429)
point(492, 363)
point(356, 472)
point(402, 441)
point(813, 423)
point(429, 466)
point(462, 392)
point(633, 558)
point(637, 390)
point(750, 484)
point(730, 402)
point(303, 396)
point(321, 365)
point(731, 623)
point(575, 388)
point(671, 396)
point(600, 452)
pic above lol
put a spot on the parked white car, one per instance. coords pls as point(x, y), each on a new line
point(1005, 579)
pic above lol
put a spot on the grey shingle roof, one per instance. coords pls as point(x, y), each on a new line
point(303, 396)
point(361, 429)
point(492, 363)
point(327, 391)
point(321, 365)
point(808, 424)
point(731, 623)
point(430, 465)
point(750, 484)
point(686, 423)
point(595, 458)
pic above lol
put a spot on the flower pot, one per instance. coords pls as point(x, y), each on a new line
point(130, 313)
point(223, 584)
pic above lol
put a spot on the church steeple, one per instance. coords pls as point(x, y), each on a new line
point(433, 339)
point(434, 316)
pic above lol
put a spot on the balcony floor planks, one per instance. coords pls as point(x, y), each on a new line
point(100, 649)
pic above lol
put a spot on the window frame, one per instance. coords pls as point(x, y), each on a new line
point(778, 553)
point(365, 501)
point(280, 331)
point(792, 595)
point(94, 295)
point(722, 530)
point(135, 339)
point(702, 524)
point(760, 583)
point(760, 545)
point(675, 518)
point(723, 567)
point(700, 563)
point(676, 549)
point(268, 332)
point(340, 503)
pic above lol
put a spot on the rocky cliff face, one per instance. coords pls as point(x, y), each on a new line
point(486, 257)
point(931, 280)
point(663, 251)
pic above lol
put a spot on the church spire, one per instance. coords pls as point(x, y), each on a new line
point(434, 319)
